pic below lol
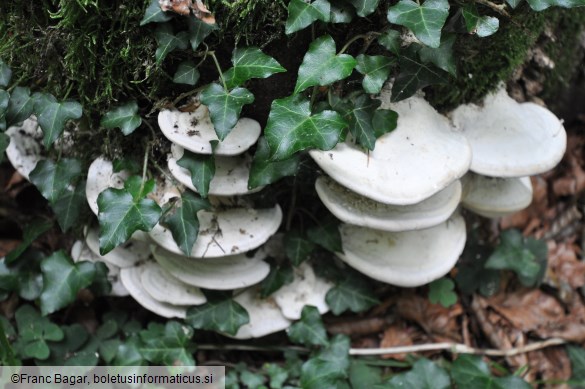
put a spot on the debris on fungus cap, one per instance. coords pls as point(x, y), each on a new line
point(126, 255)
point(194, 130)
point(305, 289)
point(100, 177)
point(265, 316)
point(228, 272)
point(24, 150)
point(228, 232)
point(165, 288)
point(422, 156)
point(509, 139)
point(356, 209)
point(495, 197)
point(131, 278)
point(408, 258)
point(230, 178)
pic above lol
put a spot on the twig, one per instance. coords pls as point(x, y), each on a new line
point(499, 8)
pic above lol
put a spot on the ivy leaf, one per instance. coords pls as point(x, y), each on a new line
point(540, 5)
point(328, 369)
point(264, 171)
point(120, 215)
point(391, 41)
point(225, 107)
point(186, 73)
point(202, 169)
point(352, 293)
point(513, 3)
point(384, 121)
point(24, 275)
point(424, 375)
point(291, 127)
point(376, 69)
point(310, 330)
point(4, 142)
point(302, 14)
point(425, 21)
point(167, 41)
point(297, 247)
point(279, 275)
point(125, 117)
point(168, 346)
point(34, 331)
point(470, 371)
point(31, 232)
point(4, 99)
point(413, 76)
point(184, 223)
point(364, 7)
point(482, 26)
point(154, 14)
point(364, 376)
point(69, 206)
point(53, 178)
point(52, 115)
point(62, 279)
point(441, 292)
point(360, 120)
point(250, 62)
point(341, 12)
point(218, 314)
point(526, 257)
point(441, 57)
point(321, 66)
point(471, 272)
point(326, 235)
point(198, 31)
point(5, 74)
point(20, 106)
point(577, 357)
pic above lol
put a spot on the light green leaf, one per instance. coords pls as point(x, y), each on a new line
point(328, 369)
point(53, 178)
point(375, 69)
point(441, 57)
point(352, 293)
point(33, 333)
point(20, 106)
point(120, 215)
point(4, 100)
point(250, 62)
point(252, 380)
point(525, 256)
point(540, 5)
point(470, 371)
point(32, 231)
point(384, 121)
point(441, 292)
point(125, 117)
point(341, 12)
point(52, 115)
point(218, 314)
point(202, 169)
point(297, 247)
point(184, 223)
point(264, 171)
point(364, 376)
point(69, 205)
point(167, 41)
point(279, 276)
point(364, 7)
point(391, 41)
point(326, 235)
point(168, 345)
point(425, 21)
point(310, 330)
point(291, 127)
point(154, 14)
point(5, 74)
point(277, 374)
point(225, 107)
point(198, 31)
point(186, 73)
point(482, 26)
point(321, 65)
point(62, 279)
point(414, 75)
point(513, 3)
point(424, 375)
point(302, 14)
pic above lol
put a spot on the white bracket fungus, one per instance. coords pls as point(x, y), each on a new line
point(265, 316)
point(163, 287)
point(24, 150)
point(100, 177)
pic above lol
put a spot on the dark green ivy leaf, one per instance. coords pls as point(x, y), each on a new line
point(4, 142)
point(364, 376)
point(327, 235)
point(33, 333)
point(322, 66)
point(302, 14)
point(4, 99)
point(221, 314)
point(352, 293)
point(297, 247)
point(69, 351)
point(328, 369)
point(68, 207)
point(364, 7)
point(168, 345)
point(53, 178)
point(31, 232)
point(470, 371)
point(264, 171)
point(375, 69)
point(186, 73)
point(425, 21)
point(414, 75)
point(441, 57)
point(482, 26)
point(384, 121)
point(341, 12)
point(167, 41)
point(198, 31)
point(5, 74)
point(154, 14)
point(184, 223)
point(279, 276)
point(310, 330)
point(577, 357)
point(391, 41)
point(52, 115)
point(441, 292)
point(291, 127)
point(360, 118)
point(225, 107)
point(471, 272)
point(424, 375)
point(250, 62)
point(125, 117)
point(202, 169)
point(20, 106)
point(23, 275)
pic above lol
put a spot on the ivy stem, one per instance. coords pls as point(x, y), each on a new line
point(187, 94)
point(144, 165)
point(367, 37)
point(212, 54)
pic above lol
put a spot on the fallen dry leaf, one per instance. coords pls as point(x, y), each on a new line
point(551, 364)
point(357, 327)
point(563, 267)
point(397, 335)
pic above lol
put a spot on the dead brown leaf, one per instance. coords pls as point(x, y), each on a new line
point(395, 336)
point(564, 268)
point(552, 364)
point(186, 7)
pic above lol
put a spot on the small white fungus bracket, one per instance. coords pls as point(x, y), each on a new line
point(265, 316)
point(162, 286)
point(126, 255)
point(100, 177)
point(24, 150)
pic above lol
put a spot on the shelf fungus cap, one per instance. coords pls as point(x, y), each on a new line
point(228, 232)
point(163, 287)
point(356, 209)
point(305, 289)
point(496, 197)
point(409, 258)
point(24, 150)
point(229, 272)
point(423, 155)
point(265, 316)
point(126, 255)
point(100, 177)
point(131, 278)
point(230, 178)
point(194, 130)
point(509, 139)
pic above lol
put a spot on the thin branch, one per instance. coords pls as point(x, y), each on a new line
point(499, 8)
